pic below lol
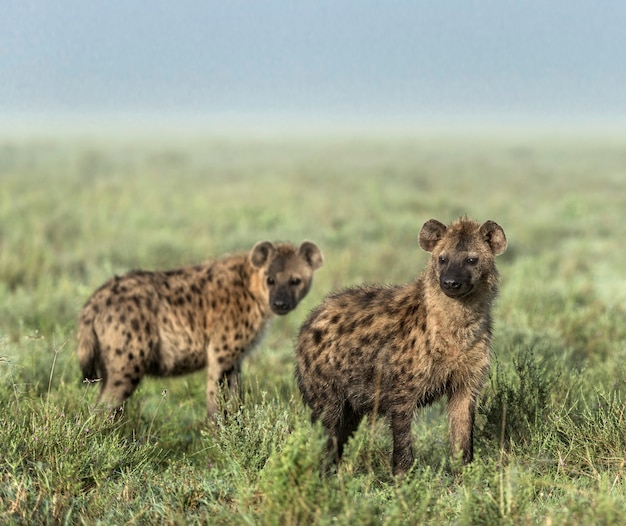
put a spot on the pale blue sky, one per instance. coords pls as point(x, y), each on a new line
point(538, 58)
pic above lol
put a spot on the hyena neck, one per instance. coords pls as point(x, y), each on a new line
point(234, 274)
point(254, 284)
point(460, 318)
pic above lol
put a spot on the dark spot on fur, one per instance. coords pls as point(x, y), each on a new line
point(348, 328)
point(367, 298)
point(366, 340)
point(134, 323)
point(318, 336)
point(131, 356)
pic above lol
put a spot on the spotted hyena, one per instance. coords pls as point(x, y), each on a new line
point(391, 349)
point(179, 321)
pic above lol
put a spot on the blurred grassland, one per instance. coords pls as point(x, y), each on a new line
point(550, 435)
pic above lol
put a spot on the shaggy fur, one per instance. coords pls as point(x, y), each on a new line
point(389, 350)
point(178, 321)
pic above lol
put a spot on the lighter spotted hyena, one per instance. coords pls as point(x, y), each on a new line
point(178, 321)
point(389, 350)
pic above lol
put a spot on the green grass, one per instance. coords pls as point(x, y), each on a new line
point(550, 434)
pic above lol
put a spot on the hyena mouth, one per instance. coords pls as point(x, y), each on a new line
point(456, 290)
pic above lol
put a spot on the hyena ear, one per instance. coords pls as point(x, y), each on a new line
point(261, 252)
point(312, 254)
point(430, 234)
point(494, 235)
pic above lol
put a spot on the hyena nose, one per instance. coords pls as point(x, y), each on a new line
point(280, 305)
point(451, 284)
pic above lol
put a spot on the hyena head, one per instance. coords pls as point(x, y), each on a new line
point(463, 254)
point(288, 272)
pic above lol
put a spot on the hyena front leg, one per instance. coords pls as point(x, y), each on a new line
point(461, 407)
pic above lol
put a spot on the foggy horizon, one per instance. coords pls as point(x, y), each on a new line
point(403, 62)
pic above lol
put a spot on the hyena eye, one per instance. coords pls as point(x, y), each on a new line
point(472, 261)
point(443, 260)
point(295, 281)
point(270, 281)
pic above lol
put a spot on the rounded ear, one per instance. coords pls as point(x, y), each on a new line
point(430, 234)
point(261, 252)
point(494, 235)
point(312, 254)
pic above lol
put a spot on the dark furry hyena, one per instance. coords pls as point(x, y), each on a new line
point(179, 321)
point(390, 350)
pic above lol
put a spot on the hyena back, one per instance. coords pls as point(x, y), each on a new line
point(389, 350)
point(179, 321)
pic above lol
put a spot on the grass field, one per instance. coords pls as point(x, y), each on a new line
point(550, 435)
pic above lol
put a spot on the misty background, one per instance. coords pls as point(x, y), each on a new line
point(547, 61)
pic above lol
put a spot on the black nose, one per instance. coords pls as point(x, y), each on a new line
point(280, 305)
point(451, 284)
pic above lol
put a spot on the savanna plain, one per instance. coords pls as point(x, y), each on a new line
point(550, 433)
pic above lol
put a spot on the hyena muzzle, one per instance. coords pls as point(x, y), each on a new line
point(391, 349)
point(179, 321)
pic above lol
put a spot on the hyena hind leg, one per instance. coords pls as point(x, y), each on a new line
point(340, 425)
point(229, 389)
point(402, 457)
point(119, 385)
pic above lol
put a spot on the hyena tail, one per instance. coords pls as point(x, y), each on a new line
point(88, 352)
